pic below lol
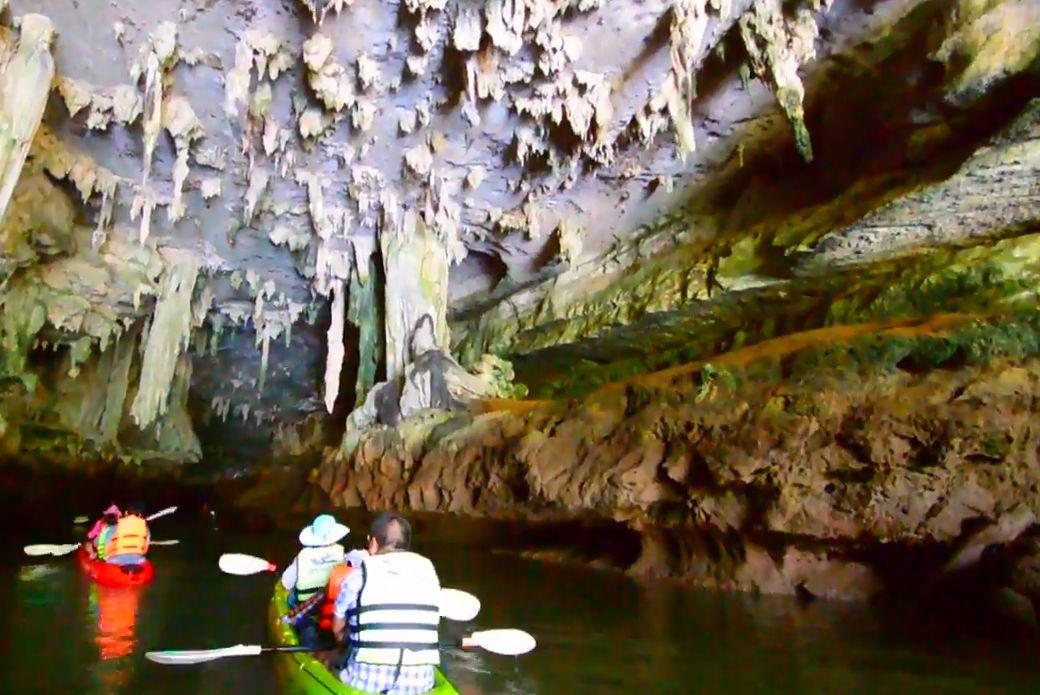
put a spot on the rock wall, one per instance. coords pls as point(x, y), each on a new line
point(804, 461)
point(249, 230)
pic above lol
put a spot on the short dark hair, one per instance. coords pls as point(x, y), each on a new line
point(391, 531)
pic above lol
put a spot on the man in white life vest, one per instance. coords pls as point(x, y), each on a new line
point(389, 613)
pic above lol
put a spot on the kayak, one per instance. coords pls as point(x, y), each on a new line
point(302, 674)
point(107, 574)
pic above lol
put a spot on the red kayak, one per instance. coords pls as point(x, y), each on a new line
point(108, 574)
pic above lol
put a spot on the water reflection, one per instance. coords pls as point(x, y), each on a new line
point(113, 613)
point(596, 632)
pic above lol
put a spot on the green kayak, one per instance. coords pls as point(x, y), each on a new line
point(300, 673)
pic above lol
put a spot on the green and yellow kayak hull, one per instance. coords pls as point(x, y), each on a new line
point(300, 673)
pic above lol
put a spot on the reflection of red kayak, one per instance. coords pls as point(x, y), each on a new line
point(107, 574)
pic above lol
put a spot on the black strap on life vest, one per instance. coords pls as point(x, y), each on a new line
point(410, 646)
point(394, 607)
point(397, 626)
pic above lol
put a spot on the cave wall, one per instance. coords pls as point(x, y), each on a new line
point(245, 231)
point(803, 462)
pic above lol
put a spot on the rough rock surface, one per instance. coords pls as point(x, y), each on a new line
point(792, 463)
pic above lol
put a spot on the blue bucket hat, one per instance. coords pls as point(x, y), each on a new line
point(323, 531)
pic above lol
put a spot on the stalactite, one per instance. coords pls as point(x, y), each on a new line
point(689, 22)
point(158, 56)
point(334, 346)
point(168, 335)
point(415, 265)
point(24, 86)
point(180, 122)
point(364, 313)
point(776, 48)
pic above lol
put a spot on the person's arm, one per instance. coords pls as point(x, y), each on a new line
point(347, 599)
point(355, 557)
point(289, 575)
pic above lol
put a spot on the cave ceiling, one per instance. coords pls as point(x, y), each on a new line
point(602, 175)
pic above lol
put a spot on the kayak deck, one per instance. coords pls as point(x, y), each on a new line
point(108, 574)
point(302, 674)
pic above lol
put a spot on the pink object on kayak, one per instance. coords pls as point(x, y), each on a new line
point(100, 523)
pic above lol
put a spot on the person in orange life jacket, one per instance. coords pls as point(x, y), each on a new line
point(101, 532)
point(339, 575)
point(313, 618)
point(388, 610)
point(129, 543)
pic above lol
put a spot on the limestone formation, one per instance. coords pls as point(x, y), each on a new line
point(780, 465)
point(467, 203)
point(24, 84)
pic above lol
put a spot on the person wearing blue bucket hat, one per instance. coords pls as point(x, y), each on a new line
point(309, 571)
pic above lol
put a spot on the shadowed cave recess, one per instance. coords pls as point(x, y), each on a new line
point(740, 293)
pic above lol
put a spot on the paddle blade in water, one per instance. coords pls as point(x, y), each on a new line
point(46, 549)
point(161, 512)
point(508, 642)
point(458, 605)
point(81, 520)
point(242, 564)
point(198, 656)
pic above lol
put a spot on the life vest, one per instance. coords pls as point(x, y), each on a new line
point(130, 537)
point(313, 567)
point(328, 606)
point(101, 541)
point(397, 611)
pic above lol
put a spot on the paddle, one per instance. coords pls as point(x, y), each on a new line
point(244, 565)
point(508, 642)
point(454, 604)
point(44, 549)
point(59, 550)
point(161, 512)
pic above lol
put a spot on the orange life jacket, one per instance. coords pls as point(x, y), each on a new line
point(130, 537)
point(328, 606)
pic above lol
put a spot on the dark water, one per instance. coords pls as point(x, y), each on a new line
point(597, 633)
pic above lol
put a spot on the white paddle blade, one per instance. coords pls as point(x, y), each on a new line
point(161, 512)
point(458, 605)
point(242, 564)
point(509, 642)
point(46, 549)
point(198, 656)
point(81, 520)
point(173, 542)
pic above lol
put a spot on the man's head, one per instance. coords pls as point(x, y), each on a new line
point(389, 532)
point(135, 508)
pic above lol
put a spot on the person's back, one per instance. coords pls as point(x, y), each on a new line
point(101, 533)
point(309, 571)
point(130, 539)
point(389, 611)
